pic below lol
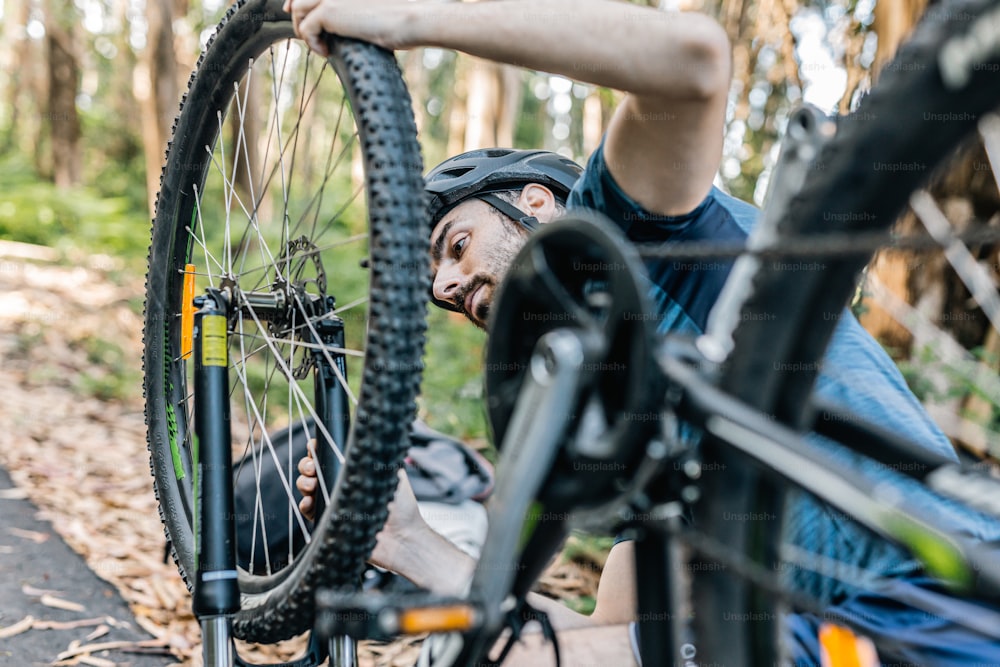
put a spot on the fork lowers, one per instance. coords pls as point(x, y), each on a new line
point(216, 592)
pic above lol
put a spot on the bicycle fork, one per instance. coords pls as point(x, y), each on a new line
point(216, 590)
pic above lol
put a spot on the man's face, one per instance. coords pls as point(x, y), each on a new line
point(471, 249)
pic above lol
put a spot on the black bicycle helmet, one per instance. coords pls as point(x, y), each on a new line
point(487, 170)
point(480, 173)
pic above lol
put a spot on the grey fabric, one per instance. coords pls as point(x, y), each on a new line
point(445, 470)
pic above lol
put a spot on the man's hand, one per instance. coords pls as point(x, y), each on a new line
point(404, 515)
point(306, 483)
point(382, 22)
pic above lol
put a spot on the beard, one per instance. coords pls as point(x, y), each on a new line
point(495, 263)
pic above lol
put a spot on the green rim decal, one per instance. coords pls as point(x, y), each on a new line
point(175, 453)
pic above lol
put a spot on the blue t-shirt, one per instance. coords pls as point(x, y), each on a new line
point(857, 375)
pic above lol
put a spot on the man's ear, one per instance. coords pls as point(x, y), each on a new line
point(537, 200)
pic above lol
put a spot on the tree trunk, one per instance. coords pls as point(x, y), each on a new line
point(457, 116)
point(493, 101)
point(13, 59)
point(64, 78)
point(156, 89)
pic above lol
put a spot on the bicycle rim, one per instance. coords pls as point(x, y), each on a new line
point(290, 179)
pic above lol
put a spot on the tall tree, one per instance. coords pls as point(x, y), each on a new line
point(13, 58)
point(61, 25)
point(157, 89)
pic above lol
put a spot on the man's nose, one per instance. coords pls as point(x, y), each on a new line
point(447, 283)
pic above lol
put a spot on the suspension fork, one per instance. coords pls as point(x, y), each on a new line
point(333, 413)
point(216, 590)
point(330, 400)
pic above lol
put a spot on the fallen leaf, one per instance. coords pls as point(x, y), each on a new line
point(70, 625)
point(23, 625)
point(98, 632)
point(31, 591)
point(32, 535)
point(96, 662)
point(109, 646)
point(13, 494)
point(59, 603)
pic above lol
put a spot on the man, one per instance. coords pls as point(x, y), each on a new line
point(652, 175)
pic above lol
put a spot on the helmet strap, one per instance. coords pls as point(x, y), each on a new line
point(529, 222)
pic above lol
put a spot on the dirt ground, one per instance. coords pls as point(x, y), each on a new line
point(73, 440)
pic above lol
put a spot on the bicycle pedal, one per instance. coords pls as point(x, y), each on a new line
point(380, 616)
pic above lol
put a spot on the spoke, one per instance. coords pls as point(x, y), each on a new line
point(331, 165)
point(280, 164)
point(340, 211)
point(353, 304)
point(228, 264)
point(328, 170)
point(266, 440)
point(989, 129)
point(232, 194)
point(293, 385)
point(974, 276)
point(257, 461)
point(209, 258)
point(329, 359)
point(242, 141)
point(299, 343)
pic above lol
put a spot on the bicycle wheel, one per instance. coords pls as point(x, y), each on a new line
point(792, 310)
point(261, 195)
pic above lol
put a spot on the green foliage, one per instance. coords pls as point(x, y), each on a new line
point(933, 379)
point(451, 397)
point(35, 211)
point(116, 166)
point(587, 552)
point(113, 375)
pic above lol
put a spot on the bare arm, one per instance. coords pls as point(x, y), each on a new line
point(664, 143)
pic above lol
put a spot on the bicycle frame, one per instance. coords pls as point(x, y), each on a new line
point(553, 383)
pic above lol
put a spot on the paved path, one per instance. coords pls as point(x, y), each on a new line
point(33, 561)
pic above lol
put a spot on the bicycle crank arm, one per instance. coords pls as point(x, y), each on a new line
point(539, 424)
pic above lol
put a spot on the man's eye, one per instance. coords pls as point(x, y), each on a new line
point(459, 246)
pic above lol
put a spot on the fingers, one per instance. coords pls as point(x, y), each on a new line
point(307, 506)
point(307, 22)
point(306, 483)
point(310, 29)
point(307, 466)
point(403, 489)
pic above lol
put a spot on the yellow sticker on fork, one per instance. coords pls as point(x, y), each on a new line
point(213, 341)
